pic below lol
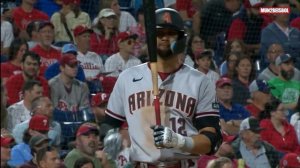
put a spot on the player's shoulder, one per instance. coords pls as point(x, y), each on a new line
point(135, 70)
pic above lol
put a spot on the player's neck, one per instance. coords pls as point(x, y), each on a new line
point(168, 65)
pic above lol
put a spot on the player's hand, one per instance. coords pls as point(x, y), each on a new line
point(166, 138)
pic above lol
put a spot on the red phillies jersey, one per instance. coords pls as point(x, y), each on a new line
point(14, 86)
point(22, 18)
point(8, 69)
point(186, 5)
point(48, 57)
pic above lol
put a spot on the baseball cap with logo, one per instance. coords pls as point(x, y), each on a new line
point(125, 36)
point(282, 59)
point(99, 98)
point(80, 29)
point(223, 81)
point(253, 3)
point(259, 85)
point(290, 160)
point(87, 128)
point(43, 24)
point(39, 123)
point(69, 48)
point(68, 59)
point(251, 124)
point(106, 12)
point(7, 140)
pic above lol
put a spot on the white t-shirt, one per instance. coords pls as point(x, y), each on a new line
point(126, 21)
point(91, 64)
point(7, 35)
point(116, 64)
point(17, 113)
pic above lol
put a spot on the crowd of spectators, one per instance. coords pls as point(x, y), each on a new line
point(60, 60)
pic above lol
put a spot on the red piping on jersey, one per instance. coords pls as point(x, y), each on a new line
point(205, 114)
point(114, 115)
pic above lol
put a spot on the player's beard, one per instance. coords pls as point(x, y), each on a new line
point(287, 75)
point(164, 54)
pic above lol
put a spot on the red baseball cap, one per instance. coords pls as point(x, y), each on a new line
point(108, 83)
point(7, 140)
point(87, 128)
point(290, 160)
point(253, 3)
point(126, 35)
point(67, 2)
point(223, 81)
point(68, 59)
point(99, 99)
point(39, 123)
point(80, 29)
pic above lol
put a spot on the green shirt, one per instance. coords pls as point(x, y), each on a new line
point(287, 91)
point(76, 154)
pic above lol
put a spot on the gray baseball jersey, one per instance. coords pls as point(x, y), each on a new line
point(77, 99)
point(184, 95)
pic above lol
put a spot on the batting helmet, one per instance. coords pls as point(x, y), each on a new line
point(169, 18)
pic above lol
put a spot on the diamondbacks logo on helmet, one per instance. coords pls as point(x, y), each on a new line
point(167, 17)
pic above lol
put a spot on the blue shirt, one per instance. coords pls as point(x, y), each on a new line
point(237, 112)
point(54, 70)
point(20, 154)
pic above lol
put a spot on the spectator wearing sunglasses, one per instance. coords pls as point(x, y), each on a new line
point(21, 153)
point(124, 58)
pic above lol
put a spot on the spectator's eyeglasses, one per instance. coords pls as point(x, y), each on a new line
point(160, 33)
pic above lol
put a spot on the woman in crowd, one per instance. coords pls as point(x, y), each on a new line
point(104, 38)
point(243, 75)
point(235, 46)
point(276, 129)
point(16, 50)
point(195, 46)
point(67, 19)
point(230, 60)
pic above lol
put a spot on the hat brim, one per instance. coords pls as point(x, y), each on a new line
point(85, 31)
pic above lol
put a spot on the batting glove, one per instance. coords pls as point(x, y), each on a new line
point(166, 138)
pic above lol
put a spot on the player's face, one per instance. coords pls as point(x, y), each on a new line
point(225, 92)
point(203, 63)
point(88, 144)
point(46, 36)
point(51, 160)
point(30, 67)
point(244, 68)
point(287, 70)
point(165, 37)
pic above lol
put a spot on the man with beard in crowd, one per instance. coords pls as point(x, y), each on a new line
point(87, 145)
point(249, 147)
point(283, 87)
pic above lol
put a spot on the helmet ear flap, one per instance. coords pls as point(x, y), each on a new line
point(179, 45)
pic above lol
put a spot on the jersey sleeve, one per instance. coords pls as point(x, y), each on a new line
point(207, 102)
point(115, 107)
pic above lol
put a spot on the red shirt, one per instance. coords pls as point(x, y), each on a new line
point(48, 57)
point(283, 143)
point(296, 23)
point(22, 18)
point(14, 86)
point(8, 69)
point(102, 46)
point(253, 110)
point(186, 5)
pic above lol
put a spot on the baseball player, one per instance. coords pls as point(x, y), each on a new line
point(189, 113)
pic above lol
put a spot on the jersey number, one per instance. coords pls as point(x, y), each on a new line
point(178, 125)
